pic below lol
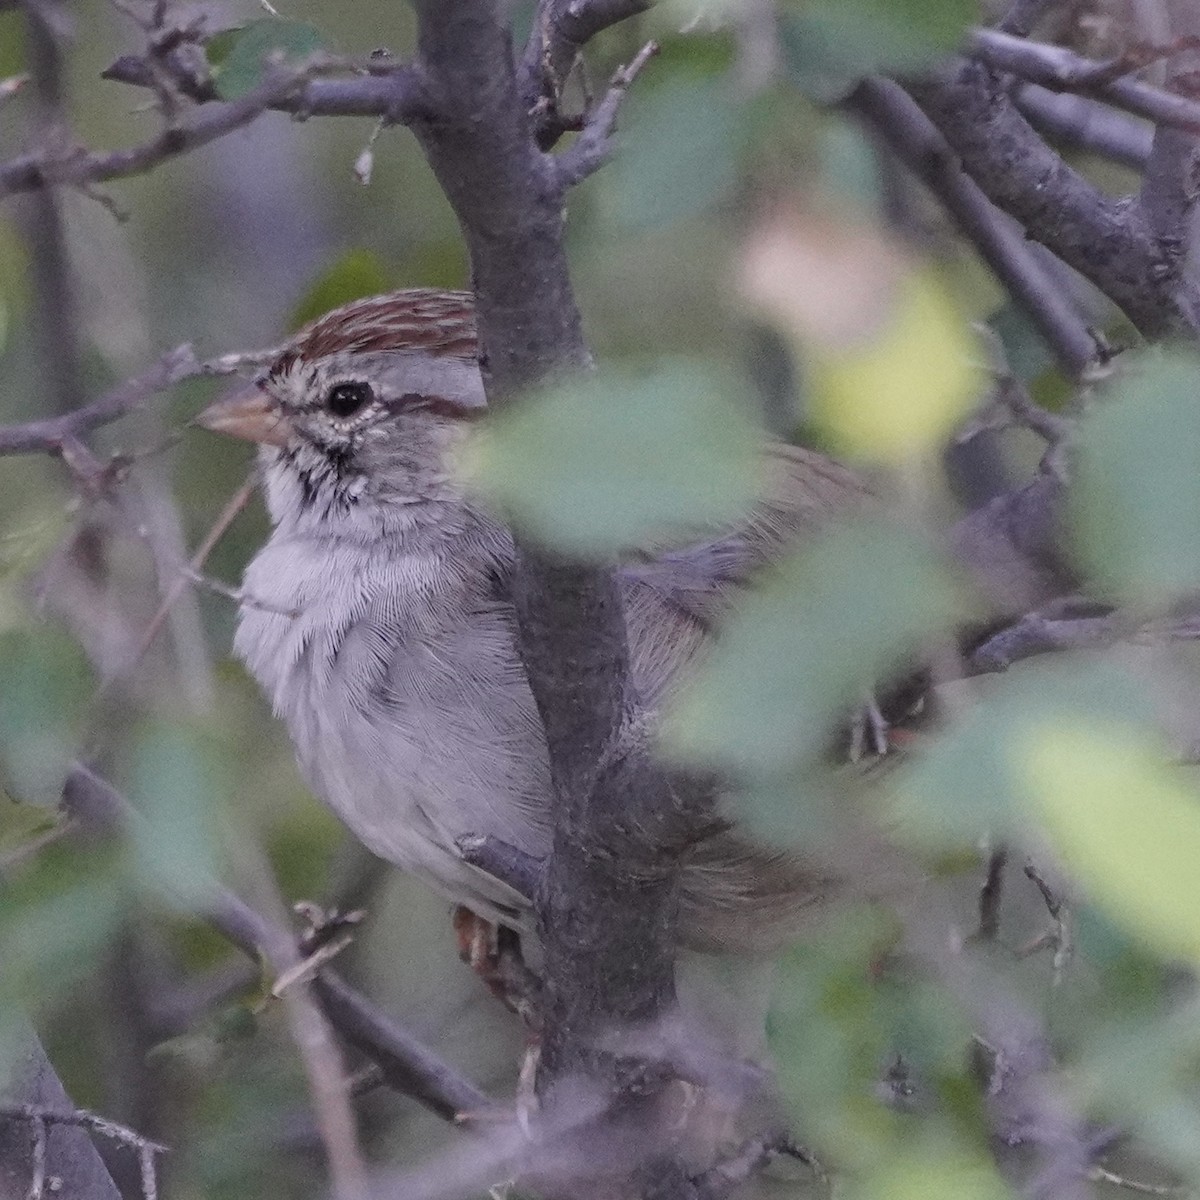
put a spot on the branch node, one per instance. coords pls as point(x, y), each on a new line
point(512, 866)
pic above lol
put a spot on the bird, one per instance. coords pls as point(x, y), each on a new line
point(378, 617)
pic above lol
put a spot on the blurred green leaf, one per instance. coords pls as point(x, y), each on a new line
point(177, 785)
point(829, 44)
point(618, 460)
point(57, 917)
point(926, 1173)
point(46, 687)
point(14, 287)
point(849, 166)
point(1125, 823)
point(12, 42)
point(26, 546)
point(971, 779)
point(238, 58)
point(680, 155)
point(822, 1028)
point(902, 390)
point(354, 276)
point(803, 650)
point(1137, 495)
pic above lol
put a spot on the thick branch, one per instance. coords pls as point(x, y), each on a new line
point(607, 905)
point(913, 137)
point(1104, 239)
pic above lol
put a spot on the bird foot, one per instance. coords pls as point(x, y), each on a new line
point(493, 952)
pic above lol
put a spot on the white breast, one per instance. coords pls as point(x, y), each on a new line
point(405, 701)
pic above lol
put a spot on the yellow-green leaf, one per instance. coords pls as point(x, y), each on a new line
point(1126, 824)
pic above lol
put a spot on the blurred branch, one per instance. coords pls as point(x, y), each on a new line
point(991, 894)
point(233, 506)
point(408, 1067)
point(916, 141)
point(56, 310)
point(1167, 201)
point(320, 1056)
point(1085, 124)
point(1062, 70)
point(1105, 239)
point(1023, 16)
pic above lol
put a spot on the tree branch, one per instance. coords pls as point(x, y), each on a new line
point(561, 28)
point(593, 147)
point(1085, 124)
point(1104, 239)
point(398, 96)
point(1062, 70)
point(409, 1068)
point(607, 904)
point(917, 142)
point(68, 1154)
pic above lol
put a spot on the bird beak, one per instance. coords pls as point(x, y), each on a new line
point(249, 414)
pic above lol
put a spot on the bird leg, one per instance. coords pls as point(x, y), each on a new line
point(493, 952)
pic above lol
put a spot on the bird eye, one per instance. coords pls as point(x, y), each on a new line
point(345, 399)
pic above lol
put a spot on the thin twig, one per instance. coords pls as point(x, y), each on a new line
point(991, 894)
point(37, 1177)
point(52, 434)
point(561, 28)
point(233, 506)
point(594, 145)
point(83, 1118)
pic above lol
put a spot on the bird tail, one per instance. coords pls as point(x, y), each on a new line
point(741, 897)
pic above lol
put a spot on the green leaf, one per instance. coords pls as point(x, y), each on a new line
point(177, 785)
point(354, 276)
point(805, 648)
point(1126, 824)
point(46, 685)
point(1136, 502)
point(971, 780)
point(618, 460)
point(680, 155)
point(238, 57)
point(926, 1174)
point(58, 916)
point(829, 44)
